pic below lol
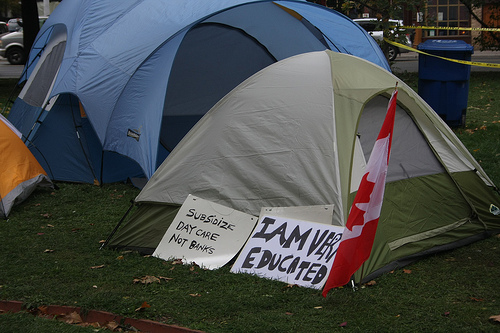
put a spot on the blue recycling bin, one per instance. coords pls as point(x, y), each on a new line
point(444, 84)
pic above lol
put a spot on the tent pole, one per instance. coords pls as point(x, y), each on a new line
point(10, 100)
point(117, 226)
point(27, 138)
point(80, 139)
point(30, 143)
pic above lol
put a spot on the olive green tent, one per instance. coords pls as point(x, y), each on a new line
point(298, 133)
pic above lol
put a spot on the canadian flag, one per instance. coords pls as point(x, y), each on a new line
point(357, 240)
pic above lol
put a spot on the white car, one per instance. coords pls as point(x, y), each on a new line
point(4, 28)
point(372, 26)
point(13, 24)
point(12, 45)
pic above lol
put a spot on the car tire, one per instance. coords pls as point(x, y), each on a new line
point(15, 56)
point(393, 53)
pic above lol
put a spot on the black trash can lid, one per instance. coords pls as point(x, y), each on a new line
point(445, 45)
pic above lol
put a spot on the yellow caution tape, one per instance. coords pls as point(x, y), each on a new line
point(472, 63)
point(447, 28)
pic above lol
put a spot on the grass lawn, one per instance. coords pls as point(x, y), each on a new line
point(50, 255)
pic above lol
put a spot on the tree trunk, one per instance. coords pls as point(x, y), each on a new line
point(30, 23)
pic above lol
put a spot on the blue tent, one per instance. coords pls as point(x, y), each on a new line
point(112, 87)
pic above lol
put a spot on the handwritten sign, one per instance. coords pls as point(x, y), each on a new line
point(292, 251)
point(205, 233)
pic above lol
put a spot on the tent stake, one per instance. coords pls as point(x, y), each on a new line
point(353, 285)
point(117, 226)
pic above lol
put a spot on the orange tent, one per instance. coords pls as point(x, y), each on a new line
point(20, 172)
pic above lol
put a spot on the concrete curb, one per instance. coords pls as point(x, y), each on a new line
point(93, 316)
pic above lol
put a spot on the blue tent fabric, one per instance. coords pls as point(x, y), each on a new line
point(146, 71)
point(82, 153)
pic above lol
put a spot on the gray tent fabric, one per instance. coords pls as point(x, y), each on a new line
point(412, 157)
point(298, 133)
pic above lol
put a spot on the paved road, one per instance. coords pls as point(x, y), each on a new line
point(405, 62)
point(8, 71)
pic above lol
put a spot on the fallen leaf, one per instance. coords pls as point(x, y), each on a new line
point(165, 278)
point(407, 271)
point(195, 295)
point(111, 325)
point(42, 309)
point(48, 251)
point(143, 306)
point(344, 324)
point(147, 279)
point(119, 258)
point(177, 262)
point(288, 313)
point(291, 285)
point(371, 283)
point(102, 241)
point(477, 299)
point(446, 314)
point(40, 233)
point(495, 318)
point(318, 307)
point(71, 318)
point(46, 215)
point(50, 226)
point(97, 267)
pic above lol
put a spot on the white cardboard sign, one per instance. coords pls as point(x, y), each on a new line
point(292, 251)
point(205, 233)
point(319, 214)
